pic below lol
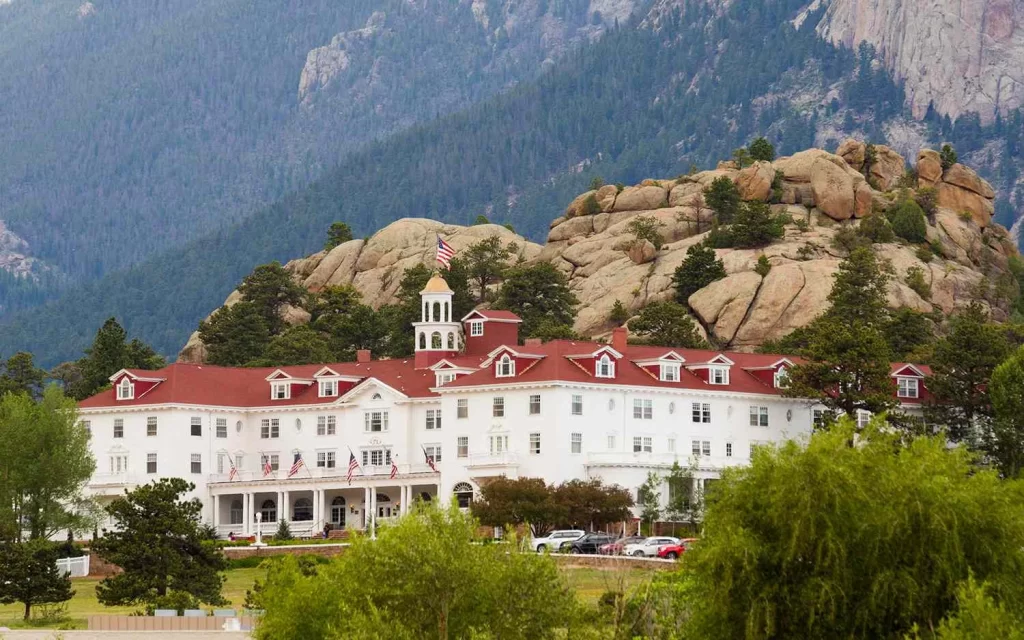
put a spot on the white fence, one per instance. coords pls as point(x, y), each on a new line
point(76, 567)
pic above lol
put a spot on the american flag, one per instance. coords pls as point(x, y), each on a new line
point(430, 460)
point(352, 465)
point(296, 465)
point(267, 469)
point(233, 474)
point(394, 468)
point(445, 253)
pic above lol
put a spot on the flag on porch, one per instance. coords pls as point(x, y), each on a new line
point(267, 468)
point(445, 253)
point(394, 468)
point(352, 465)
point(430, 460)
point(296, 465)
point(233, 474)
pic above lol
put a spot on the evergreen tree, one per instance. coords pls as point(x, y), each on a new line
point(284, 532)
point(29, 575)
point(618, 314)
point(723, 198)
point(666, 324)
point(947, 155)
point(486, 262)
point(1004, 443)
point(549, 330)
point(908, 221)
point(347, 324)
point(158, 543)
point(235, 335)
point(756, 226)
point(962, 364)
point(908, 332)
point(20, 375)
point(110, 352)
point(300, 344)
point(700, 268)
point(761, 149)
point(537, 293)
point(269, 288)
point(649, 500)
point(339, 233)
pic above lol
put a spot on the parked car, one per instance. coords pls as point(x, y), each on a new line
point(673, 551)
point(589, 543)
point(648, 547)
point(615, 548)
point(553, 541)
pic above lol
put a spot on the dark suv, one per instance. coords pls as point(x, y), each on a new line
point(589, 543)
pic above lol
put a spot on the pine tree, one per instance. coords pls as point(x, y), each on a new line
point(761, 149)
point(723, 198)
point(20, 375)
point(29, 575)
point(110, 352)
point(235, 335)
point(700, 268)
point(339, 233)
point(666, 324)
point(270, 288)
point(538, 293)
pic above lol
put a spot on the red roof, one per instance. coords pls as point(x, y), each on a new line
point(495, 314)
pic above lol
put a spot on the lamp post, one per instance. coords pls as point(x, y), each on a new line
point(259, 532)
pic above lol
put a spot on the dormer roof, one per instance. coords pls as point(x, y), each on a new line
point(134, 376)
point(596, 354)
point(492, 315)
point(907, 370)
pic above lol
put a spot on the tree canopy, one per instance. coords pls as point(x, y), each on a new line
point(538, 293)
point(700, 268)
point(109, 353)
point(666, 324)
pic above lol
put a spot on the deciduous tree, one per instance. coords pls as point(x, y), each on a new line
point(1003, 442)
point(530, 501)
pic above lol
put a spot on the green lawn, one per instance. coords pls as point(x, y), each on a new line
point(589, 584)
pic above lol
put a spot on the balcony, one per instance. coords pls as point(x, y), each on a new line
point(493, 464)
point(322, 474)
point(112, 484)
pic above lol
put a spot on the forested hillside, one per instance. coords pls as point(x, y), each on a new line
point(641, 101)
point(129, 128)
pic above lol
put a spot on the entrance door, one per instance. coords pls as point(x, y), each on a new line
point(338, 512)
point(384, 511)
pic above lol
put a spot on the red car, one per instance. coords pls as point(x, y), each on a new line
point(673, 551)
point(615, 548)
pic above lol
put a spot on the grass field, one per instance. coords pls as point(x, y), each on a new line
point(589, 583)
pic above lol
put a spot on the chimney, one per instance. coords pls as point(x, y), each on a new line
point(363, 355)
point(532, 342)
point(619, 335)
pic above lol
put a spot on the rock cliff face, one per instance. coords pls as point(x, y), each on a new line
point(821, 191)
point(959, 56)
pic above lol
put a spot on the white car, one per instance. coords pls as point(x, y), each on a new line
point(554, 540)
point(648, 547)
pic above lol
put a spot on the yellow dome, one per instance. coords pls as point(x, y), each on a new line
point(436, 285)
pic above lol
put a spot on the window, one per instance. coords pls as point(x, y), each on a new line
point(728, 449)
point(643, 409)
point(220, 463)
point(280, 391)
point(462, 408)
point(758, 416)
point(119, 428)
point(273, 460)
point(125, 389)
point(236, 512)
point(476, 328)
point(695, 447)
point(268, 511)
point(239, 459)
point(669, 372)
point(705, 448)
point(818, 418)
point(577, 405)
point(576, 443)
point(605, 367)
point(781, 378)
point(498, 444)
point(197, 426)
point(906, 387)
point(303, 510)
point(462, 447)
point(150, 463)
point(270, 428)
point(325, 459)
point(444, 378)
point(328, 388)
point(648, 444)
point(463, 494)
point(534, 405)
point(118, 464)
point(326, 425)
point(535, 444)
point(87, 425)
point(433, 418)
point(702, 412)
point(638, 444)
point(671, 445)
point(151, 427)
point(718, 375)
point(611, 442)
point(498, 407)
point(433, 452)
point(197, 463)
point(506, 367)
point(375, 421)
point(376, 457)
point(222, 427)
point(863, 418)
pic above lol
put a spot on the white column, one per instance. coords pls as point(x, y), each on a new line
point(373, 513)
point(287, 513)
point(216, 510)
point(366, 508)
point(246, 513)
point(406, 498)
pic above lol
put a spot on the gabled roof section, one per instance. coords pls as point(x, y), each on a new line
point(719, 359)
point(597, 353)
point(492, 315)
point(134, 376)
point(507, 349)
point(906, 369)
point(366, 385)
point(783, 362)
point(668, 356)
point(326, 372)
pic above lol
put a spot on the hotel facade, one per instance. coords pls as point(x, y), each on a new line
point(471, 405)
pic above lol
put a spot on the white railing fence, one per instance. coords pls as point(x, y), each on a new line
point(75, 567)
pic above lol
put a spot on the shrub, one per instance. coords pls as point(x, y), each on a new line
point(618, 314)
point(907, 220)
point(801, 225)
point(876, 229)
point(590, 206)
point(915, 280)
point(596, 183)
point(720, 237)
point(763, 266)
point(947, 155)
point(177, 600)
point(284, 532)
point(847, 239)
point(481, 219)
point(756, 226)
point(806, 252)
point(965, 215)
point(776, 194)
point(646, 228)
point(908, 180)
point(924, 253)
point(926, 198)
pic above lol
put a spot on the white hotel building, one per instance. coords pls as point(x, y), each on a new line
point(472, 399)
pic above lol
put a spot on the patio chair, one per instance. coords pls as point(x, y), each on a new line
point(195, 613)
point(166, 613)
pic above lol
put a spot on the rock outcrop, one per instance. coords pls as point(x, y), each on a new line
point(821, 192)
point(956, 56)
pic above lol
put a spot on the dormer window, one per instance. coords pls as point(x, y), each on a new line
point(280, 391)
point(718, 375)
point(476, 328)
point(781, 378)
point(125, 389)
point(444, 378)
point(505, 367)
point(328, 388)
point(907, 387)
point(669, 372)
point(605, 367)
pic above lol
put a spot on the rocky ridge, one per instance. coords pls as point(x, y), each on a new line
point(604, 262)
